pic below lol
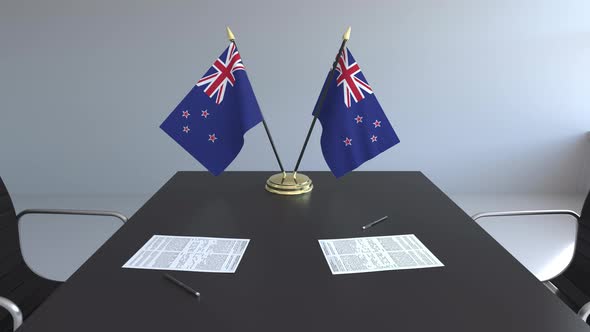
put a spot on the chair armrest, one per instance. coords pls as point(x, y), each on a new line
point(13, 310)
point(524, 213)
point(584, 311)
point(536, 213)
point(73, 212)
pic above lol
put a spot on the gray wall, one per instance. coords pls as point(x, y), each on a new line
point(486, 96)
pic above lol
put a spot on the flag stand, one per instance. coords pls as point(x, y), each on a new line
point(289, 183)
point(293, 183)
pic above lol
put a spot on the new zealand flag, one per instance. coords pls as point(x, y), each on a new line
point(210, 122)
point(355, 128)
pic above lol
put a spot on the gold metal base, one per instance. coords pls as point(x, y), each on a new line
point(289, 184)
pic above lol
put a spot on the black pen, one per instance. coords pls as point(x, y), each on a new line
point(371, 224)
point(182, 285)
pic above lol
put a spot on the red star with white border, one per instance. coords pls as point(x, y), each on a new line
point(347, 142)
point(374, 139)
point(377, 123)
point(185, 114)
point(212, 138)
point(204, 114)
point(359, 119)
point(186, 129)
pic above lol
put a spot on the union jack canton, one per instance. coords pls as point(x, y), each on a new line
point(216, 83)
point(353, 85)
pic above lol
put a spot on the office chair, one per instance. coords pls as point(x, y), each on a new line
point(21, 289)
point(572, 282)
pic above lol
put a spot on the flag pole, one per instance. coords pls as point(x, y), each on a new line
point(232, 39)
point(323, 94)
point(296, 184)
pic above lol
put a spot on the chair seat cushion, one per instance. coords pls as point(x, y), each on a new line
point(574, 283)
point(17, 282)
point(26, 289)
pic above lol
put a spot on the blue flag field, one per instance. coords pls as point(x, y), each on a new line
point(354, 126)
point(210, 122)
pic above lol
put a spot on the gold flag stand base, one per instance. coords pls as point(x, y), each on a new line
point(289, 184)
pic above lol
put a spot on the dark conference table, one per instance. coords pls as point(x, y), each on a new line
point(283, 282)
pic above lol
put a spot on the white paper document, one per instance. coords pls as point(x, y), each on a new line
point(188, 253)
point(377, 253)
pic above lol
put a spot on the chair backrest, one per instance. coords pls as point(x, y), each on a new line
point(574, 283)
point(585, 214)
point(17, 282)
